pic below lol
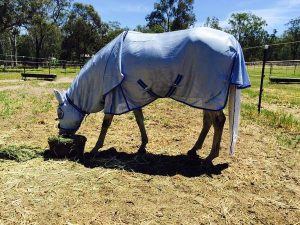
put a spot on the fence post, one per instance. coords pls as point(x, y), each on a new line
point(266, 47)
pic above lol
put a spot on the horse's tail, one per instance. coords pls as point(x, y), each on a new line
point(234, 115)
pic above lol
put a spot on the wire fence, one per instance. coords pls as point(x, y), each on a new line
point(284, 68)
point(11, 63)
point(24, 66)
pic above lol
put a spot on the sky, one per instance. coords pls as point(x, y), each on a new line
point(131, 13)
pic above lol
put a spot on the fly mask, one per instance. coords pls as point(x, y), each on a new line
point(69, 115)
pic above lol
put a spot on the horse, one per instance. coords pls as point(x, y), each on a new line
point(200, 67)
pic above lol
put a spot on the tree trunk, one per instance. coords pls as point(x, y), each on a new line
point(11, 51)
point(37, 52)
point(15, 50)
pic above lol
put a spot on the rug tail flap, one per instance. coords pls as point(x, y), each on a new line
point(234, 116)
point(239, 75)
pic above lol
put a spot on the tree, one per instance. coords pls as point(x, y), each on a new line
point(58, 11)
point(110, 30)
point(162, 14)
point(171, 15)
point(14, 13)
point(43, 27)
point(40, 19)
point(82, 32)
point(292, 34)
point(25, 46)
point(274, 53)
point(212, 22)
point(249, 30)
point(5, 46)
point(183, 15)
point(145, 29)
point(44, 33)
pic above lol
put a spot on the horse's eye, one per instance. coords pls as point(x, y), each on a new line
point(60, 113)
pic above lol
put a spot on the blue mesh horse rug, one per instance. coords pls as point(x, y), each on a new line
point(200, 67)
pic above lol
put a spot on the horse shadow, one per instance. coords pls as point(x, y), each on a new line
point(148, 163)
point(151, 164)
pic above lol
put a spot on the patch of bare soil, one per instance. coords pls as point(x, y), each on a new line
point(39, 89)
point(58, 81)
point(10, 84)
point(11, 81)
point(13, 87)
point(259, 185)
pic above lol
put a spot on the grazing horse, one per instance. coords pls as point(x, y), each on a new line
point(200, 67)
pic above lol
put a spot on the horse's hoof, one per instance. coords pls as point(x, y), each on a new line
point(192, 153)
point(142, 151)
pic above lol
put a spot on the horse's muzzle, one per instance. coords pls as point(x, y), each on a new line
point(65, 132)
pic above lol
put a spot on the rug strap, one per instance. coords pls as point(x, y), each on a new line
point(174, 85)
point(147, 89)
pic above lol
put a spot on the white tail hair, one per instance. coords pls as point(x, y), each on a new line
point(234, 115)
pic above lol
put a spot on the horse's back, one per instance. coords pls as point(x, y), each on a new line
point(165, 53)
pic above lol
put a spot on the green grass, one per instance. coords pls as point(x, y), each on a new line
point(292, 141)
point(19, 153)
point(283, 96)
point(60, 140)
point(270, 118)
point(23, 102)
point(41, 105)
point(10, 105)
point(286, 127)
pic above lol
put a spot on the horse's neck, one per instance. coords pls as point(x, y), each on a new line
point(84, 95)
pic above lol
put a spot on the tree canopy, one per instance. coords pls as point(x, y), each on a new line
point(212, 22)
point(82, 32)
point(170, 15)
point(293, 34)
point(248, 29)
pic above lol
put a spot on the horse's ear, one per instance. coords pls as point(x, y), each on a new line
point(58, 96)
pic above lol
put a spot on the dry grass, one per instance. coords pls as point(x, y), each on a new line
point(259, 185)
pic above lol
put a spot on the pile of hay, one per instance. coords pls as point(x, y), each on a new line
point(66, 147)
point(19, 153)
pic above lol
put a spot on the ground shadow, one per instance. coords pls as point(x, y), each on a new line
point(151, 164)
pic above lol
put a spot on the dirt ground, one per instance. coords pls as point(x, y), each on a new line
point(260, 184)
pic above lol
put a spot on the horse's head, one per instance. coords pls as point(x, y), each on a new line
point(69, 117)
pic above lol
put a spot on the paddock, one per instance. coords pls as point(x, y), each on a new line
point(259, 184)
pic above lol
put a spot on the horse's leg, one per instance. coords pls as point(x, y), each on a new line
point(138, 113)
point(218, 120)
point(207, 122)
point(105, 125)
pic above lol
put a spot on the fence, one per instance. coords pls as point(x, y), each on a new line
point(279, 71)
point(284, 68)
point(27, 65)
